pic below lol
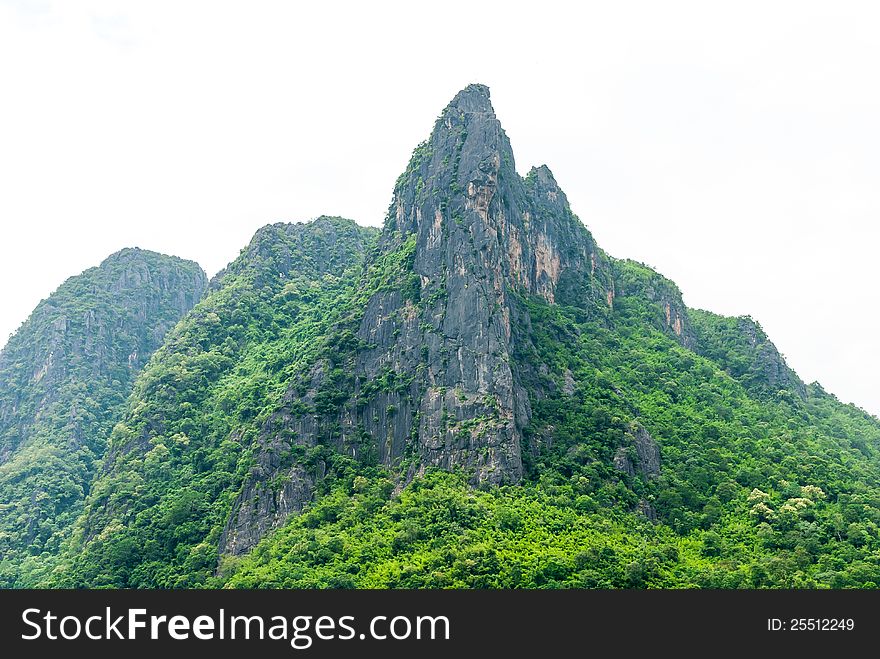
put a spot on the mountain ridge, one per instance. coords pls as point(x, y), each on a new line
point(64, 376)
point(476, 395)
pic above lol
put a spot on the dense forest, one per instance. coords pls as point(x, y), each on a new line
point(474, 396)
point(64, 378)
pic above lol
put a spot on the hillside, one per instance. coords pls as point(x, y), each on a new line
point(64, 378)
point(475, 396)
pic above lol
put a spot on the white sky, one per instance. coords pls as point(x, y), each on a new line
point(735, 148)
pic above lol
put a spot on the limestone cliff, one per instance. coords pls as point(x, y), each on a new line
point(433, 382)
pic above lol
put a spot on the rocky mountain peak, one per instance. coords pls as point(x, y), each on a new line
point(476, 234)
point(465, 153)
point(442, 319)
point(473, 98)
point(544, 177)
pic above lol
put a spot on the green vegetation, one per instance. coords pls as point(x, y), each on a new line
point(758, 486)
point(64, 379)
point(752, 493)
point(441, 533)
point(593, 431)
point(180, 454)
point(741, 348)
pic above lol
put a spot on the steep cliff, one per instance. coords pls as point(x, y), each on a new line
point(428, 378)
point(473, 235)
point(64, 377)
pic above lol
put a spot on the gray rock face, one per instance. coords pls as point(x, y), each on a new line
point(482, 233)
point(263, 505)
point(769, 363)
point(647, 451)
point(639, 454)
point(646, 509)
point(473, 235)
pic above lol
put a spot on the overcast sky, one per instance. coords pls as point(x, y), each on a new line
point(735, 147)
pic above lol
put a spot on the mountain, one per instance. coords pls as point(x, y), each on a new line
point(64, 378)
point(475, 396)
point(208, 399)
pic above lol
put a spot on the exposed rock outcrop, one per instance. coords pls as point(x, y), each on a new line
point(636, 280)
point(469, 235)
point(639, 454)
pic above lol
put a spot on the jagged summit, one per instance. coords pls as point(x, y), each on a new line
point(473, 98)
point(465, 236)
point(543, 173)
point(477, 234)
